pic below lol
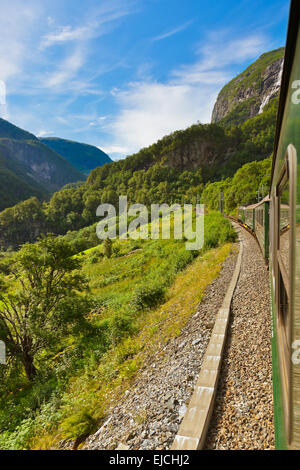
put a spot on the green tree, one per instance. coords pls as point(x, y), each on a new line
point(22, 222)
point(107, 247)
point(45, 304)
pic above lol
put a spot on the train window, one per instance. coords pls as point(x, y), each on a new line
point(283, 305)
point(284, 226)
point(259, 216)
point(285, 223)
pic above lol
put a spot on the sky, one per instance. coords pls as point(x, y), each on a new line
point(120, 74)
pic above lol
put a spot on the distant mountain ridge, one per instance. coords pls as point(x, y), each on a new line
point(38, 167)
point(29, 168)
point(82, 156)
point(10, 131)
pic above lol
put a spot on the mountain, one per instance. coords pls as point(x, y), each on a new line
point(84, 157)
point(10, 131)
point(246, 95)
point(15, 184)
point(29, 168)
point(177, 168)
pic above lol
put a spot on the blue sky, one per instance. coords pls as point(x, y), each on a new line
point(120, 74)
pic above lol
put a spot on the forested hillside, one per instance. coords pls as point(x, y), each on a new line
point(15, 183)
point(177, 168)
point(37, 167)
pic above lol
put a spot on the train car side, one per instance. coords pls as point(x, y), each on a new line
point(285, 246)
point(262, 227)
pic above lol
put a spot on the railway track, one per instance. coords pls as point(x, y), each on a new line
point(243, 411)
point(235, 392)
point(242, 415)
point(250, 231)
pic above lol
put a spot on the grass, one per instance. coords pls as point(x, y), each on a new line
point(143, 296)
point(120, 365)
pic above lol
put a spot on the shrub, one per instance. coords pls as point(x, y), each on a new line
point(218, 230)
point(183, 260)
point(107, 247)
point(116, 250)
point(120, 325)
point(148, 296)
point(79, 424)
point(20, 438)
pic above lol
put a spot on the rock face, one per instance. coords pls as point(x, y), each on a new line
point(40, 163)
point(200, 151)
point(247, 94)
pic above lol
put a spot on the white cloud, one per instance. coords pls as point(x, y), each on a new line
point(28, 29)
point(44, 133)
point(101, 23)
point(98, 121)
point(172, 31)
point(16, 20)
point(149, 110)
point(67, 69)
point(216, 56)
point(69, 75)
point(152, 110)
point(113, 149)
point(66, 33)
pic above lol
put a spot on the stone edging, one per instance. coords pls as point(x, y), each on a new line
point(192, 431)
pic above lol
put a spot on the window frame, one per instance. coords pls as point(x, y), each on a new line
point(288, 174)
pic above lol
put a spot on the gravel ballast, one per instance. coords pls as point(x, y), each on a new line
point(243, 412)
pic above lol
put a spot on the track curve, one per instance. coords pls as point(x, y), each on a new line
point(243, 412)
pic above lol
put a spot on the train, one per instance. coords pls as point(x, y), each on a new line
point(275, 221)
point(256, 218)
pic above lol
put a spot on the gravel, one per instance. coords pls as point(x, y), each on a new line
point(243, 412)
point(148, 415)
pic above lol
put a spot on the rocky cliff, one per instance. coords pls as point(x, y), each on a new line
point(206, 146)
point(246, 95)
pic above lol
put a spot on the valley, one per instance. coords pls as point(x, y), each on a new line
point(83, 319)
